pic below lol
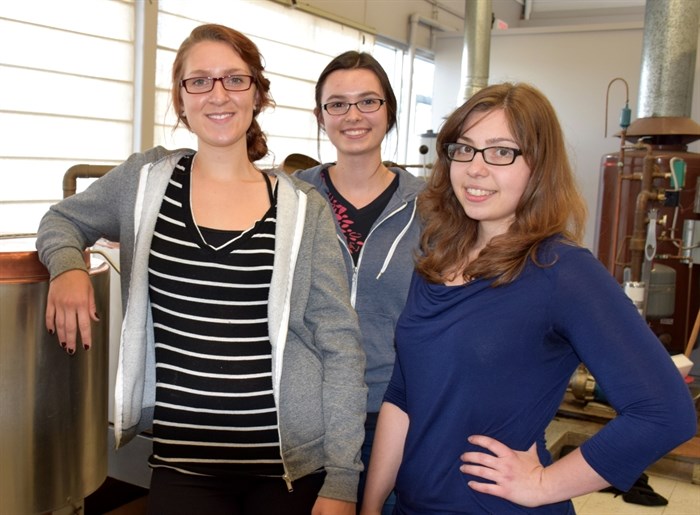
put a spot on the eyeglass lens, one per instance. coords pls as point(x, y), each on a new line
point(206, 84)
point(500, 156)
point(368, 105)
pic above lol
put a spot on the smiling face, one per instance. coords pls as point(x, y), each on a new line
point(219, 118)
point(354, 133)
point(489, 194)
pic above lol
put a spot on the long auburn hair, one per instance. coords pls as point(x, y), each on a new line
point(550, 205)
point(244, 47)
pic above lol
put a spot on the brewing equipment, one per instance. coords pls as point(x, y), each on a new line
point(632, 183)
point(648, 210)
point(53, 407)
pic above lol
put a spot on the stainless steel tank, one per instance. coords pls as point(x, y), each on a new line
point(53, 407)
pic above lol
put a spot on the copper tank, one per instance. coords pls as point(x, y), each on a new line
point(620, 189)
point(637, 179)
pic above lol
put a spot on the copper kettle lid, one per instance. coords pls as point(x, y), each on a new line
point(19, 261)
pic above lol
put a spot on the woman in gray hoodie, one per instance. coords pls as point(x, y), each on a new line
point(375, 210)
point(239, 346)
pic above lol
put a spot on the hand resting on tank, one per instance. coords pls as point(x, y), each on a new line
point(70, 308)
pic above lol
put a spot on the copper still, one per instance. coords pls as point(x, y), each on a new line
point(649, 204)
point(628, 193)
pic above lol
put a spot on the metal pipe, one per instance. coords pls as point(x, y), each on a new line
point(75, 172)
point(693, 336)
point(618, 202)
point(477, 46)
point(638, 240)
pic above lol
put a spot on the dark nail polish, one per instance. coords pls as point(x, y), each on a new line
point(71, 351)
point(86, 347)
point(97, 316)
point(50, 331)
point(63, 344)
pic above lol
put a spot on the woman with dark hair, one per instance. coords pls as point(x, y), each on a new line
point(375, 210)
point(239, 348)
point(503, 307)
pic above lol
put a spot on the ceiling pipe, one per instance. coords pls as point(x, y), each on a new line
point(476, 54)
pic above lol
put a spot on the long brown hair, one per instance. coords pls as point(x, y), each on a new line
point(550, 205)
point(244, 47)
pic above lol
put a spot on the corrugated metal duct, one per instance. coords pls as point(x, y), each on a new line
point(477, 46)
point(668, 71)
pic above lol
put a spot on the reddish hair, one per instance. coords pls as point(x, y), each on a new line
point(550, 205)
point(248, 51)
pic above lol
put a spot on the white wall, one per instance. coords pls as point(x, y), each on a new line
point(573, 67)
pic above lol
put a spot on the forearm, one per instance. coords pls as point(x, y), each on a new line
point(570, 477)
point(387, 451)
point(519, 476)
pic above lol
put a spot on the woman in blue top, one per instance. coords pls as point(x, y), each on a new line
point(502, 308)
point(375, 210)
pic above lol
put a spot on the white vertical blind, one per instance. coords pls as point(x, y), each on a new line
point(67, 88)
point(65, 98)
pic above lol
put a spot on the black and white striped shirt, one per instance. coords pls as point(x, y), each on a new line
point(215, 411)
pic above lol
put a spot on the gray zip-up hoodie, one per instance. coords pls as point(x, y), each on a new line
point(317, 361)
point(380, 280)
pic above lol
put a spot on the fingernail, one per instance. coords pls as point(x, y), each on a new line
point(71, 351)
point(50, 331)
point(86, 347)
point(97, 316)
point(63, 344)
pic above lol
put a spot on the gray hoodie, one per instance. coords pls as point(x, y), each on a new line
point(380, 280)
point(317, 362)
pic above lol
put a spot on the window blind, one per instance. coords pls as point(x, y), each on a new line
point(65, 98)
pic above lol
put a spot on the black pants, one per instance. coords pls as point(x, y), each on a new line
point(174, 493)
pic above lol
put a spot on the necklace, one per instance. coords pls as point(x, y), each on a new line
point(377, 168)
point(196, 225)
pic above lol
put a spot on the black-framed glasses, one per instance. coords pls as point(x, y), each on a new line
point(497, 156)
point(198, 85)
point(368, 105)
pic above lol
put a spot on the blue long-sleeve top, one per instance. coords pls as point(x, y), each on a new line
point(496, 361)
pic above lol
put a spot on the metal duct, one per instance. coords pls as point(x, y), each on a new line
point(668, 70)
point(477, 46)
point(668, 58)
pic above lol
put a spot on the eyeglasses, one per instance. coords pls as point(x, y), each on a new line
point(198, 85)
point(498, 156)
point(368, 105)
